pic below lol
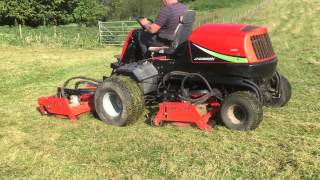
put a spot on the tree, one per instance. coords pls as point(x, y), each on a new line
point(57, 11)
point(43, 12)
point(124, 9)
point(89, 11)
point(147, 8)
point(2, 12)
point(18, 10)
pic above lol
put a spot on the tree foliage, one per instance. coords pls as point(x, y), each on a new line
point(35, 12)
point(46, 12)
point(43, 12)
point(123, 9)
point(88, 11)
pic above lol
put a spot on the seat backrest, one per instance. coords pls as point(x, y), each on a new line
point(184, 28)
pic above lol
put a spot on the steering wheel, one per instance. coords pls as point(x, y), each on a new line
point(139, 18)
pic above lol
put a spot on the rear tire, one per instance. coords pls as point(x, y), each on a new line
point(119, 101)
point(285, 94)
point(241, 111)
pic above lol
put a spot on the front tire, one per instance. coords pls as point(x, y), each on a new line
point(241, 111)
point(284, 93)
point(119, 101)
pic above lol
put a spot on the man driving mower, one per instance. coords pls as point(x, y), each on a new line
point(230, 69)
point(166, 23)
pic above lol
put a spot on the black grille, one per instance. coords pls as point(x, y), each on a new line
point(262, 46)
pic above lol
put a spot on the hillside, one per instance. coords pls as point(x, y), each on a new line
point(204, 5)
point(285, 146)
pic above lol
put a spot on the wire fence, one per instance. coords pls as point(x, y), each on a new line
point(115, 32)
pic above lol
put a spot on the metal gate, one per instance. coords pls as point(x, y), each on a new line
point(115, 32)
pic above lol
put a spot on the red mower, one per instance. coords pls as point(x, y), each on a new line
point(227, 71)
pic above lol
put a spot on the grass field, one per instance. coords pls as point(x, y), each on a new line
point(285, 146)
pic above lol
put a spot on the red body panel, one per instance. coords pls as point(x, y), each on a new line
point(125, 45)
point(221, 38)
point(229, 39)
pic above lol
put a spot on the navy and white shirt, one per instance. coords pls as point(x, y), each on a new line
point(169, 16)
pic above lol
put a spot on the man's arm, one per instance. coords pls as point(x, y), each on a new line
point(150, 27)
point(159, 22)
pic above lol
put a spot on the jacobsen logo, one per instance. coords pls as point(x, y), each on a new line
point(215, 56)
point(205, 59)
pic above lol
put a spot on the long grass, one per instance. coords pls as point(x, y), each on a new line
point(70, 36)
point(285, 146)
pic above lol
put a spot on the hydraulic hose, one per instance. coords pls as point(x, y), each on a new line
point(82, 79)
point(184, 95)
point(168, 76)
point(203, 98)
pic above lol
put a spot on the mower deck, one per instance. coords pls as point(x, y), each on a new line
point(184, 113)
point(70, 103)
point(61, 107)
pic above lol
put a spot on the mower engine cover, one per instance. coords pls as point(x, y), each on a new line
point(143, 72)
point(231, 43)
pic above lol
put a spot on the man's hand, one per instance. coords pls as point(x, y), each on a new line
point(145, 21)
point(149, 26)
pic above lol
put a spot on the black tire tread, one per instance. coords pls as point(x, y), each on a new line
point(254, 105)
point(129, 90)
point(285, 92)
point(135, 93)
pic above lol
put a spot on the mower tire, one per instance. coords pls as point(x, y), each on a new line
point(241, 111)
point(284, 93)
point(119, 101)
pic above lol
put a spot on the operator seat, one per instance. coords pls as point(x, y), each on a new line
point(180, 35)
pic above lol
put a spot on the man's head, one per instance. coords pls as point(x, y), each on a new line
point(169, 2)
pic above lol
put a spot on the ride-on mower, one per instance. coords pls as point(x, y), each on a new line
point(216, 71)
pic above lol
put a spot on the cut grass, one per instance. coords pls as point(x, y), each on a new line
point(286, 146)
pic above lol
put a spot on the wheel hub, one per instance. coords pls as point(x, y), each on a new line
point(237, 114)
point(112, 104)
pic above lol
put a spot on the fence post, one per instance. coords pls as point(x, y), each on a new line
point(55, 32)
point(20, 31)
point(100, 31)
point(122, 25)
point(78, 38)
